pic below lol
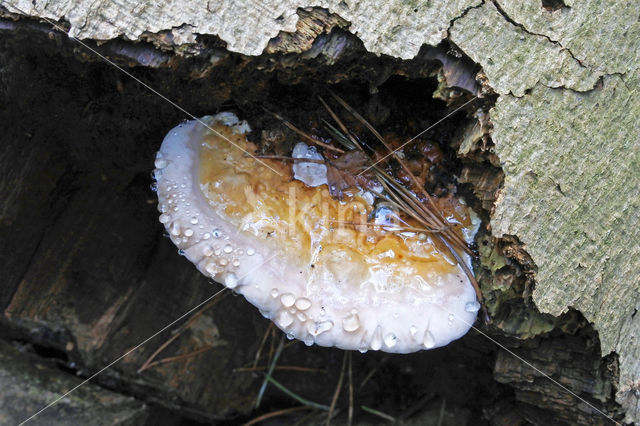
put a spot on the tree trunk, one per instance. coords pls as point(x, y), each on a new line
point(550, 154)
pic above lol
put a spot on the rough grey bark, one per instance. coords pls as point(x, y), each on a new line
point(572, 195)
point(248, 26)
point(564, 124)
point(570, 153)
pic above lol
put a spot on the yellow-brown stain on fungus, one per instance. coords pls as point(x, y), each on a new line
point(317, 229)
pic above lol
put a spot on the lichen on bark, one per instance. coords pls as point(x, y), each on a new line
point(571, 159)
point(572, 196)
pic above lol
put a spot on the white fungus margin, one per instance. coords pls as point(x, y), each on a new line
point(348, 316)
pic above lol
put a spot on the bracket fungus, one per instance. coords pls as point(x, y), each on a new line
point(329, 271)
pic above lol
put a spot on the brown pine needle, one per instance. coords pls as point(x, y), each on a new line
point(414, 208)
point(433, 212)
point(276, 414)
point(427, 129)
point(285, 158)
point(179, 357)
point(350, 418)
point(308, 137)
point(393, 152)
point(360, 118)
point(342, 139)
point(279, 367)
point(382, 225)
point(449, 238)
point(409, 205)
point(341, 125)
point(433, 220)
point(457, 241)
point(336, 394)
point(149, 362)
point(378, 413)
point(267, 378)
point(262, 343)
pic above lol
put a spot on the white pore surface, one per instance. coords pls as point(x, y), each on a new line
point(328, 307)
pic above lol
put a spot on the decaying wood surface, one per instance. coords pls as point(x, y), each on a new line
point(88, 274)
point(564, 129)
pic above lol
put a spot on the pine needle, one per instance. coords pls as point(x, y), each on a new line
point(297, 397)
point(342, 139)
point(378, 413)
point(264, 340)
point(270, 372)
point(336, 394)
point(438, 221)
point(350, 391)
point(275, 414)
point(406, 201)
point(341, 125)
point(428, 215)
point(394, 228)
point(177, 333)
point(306, 136)
point(280, 368)
point(294, 159)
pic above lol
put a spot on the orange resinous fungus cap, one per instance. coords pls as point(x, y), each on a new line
point(316, 266)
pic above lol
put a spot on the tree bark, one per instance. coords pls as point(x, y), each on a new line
point(564, 129)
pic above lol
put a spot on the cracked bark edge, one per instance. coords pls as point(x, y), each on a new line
point(509, 19)
point(515, 60)
point(603, 38)
point(247, 26)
